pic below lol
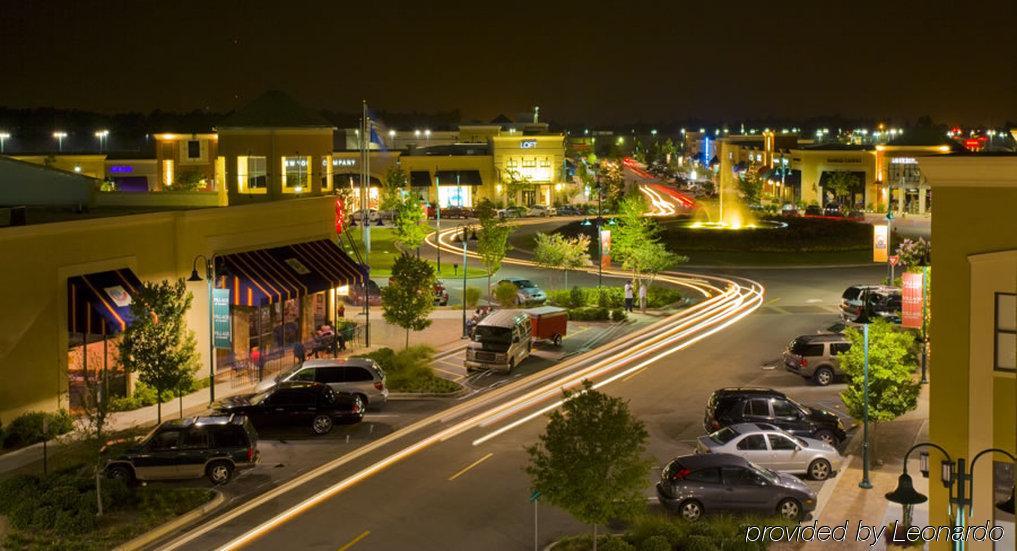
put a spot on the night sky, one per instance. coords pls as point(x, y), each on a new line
point(592, 62)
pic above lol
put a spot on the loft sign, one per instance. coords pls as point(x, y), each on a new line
point(527, 144)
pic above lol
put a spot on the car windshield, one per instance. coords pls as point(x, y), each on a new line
point(798, 345)
point(524, 283)
point(489, 333)
point(286, 373)
point(771, 476)
point(724, 435)
point(801, 407)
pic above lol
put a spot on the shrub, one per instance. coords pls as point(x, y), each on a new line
point(649, 526)
point(655, 543)
point(589, 313)
point(618, 314)
point(699, 543)
point(506, 294)
point(26, 429)
point(659, 297)
point(472, 297)
point(616, 544)
point(577, 297)
point(410, 370)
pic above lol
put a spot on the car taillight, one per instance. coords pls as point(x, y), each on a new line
point(803, 362)
point(714, 425)
point(379, 385)
point(681, 474)
point(250, 454)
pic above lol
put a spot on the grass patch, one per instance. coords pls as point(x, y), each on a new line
point(59, 511)
point(384, 253)
point(410, 370)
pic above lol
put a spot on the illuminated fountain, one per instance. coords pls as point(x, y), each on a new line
point(732, 214)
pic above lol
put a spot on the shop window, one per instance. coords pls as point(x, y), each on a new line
point(455, 196)
point(296, 174)
point(529, 162)
point(193, 149)
point(529, 197)
point(1006, 332)
point(545, 162)
point(252, 174)
point(326, 173)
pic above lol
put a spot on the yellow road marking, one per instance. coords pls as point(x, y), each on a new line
point(471, 465)
point(354, 541)
point(772, 301)
point(634, 373)
point(452, 373)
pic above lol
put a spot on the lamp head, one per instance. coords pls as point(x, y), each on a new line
point(194, 276)
point(1006, 506)
point(905, 493)
point(586, 222)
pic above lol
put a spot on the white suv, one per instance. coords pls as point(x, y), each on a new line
point(360, 376)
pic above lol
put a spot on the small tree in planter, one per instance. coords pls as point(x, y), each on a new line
point(506, 294)
point(590, 460)
point(409, 296)
point(158, 345)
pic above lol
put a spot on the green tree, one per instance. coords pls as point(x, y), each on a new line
point(914, 254)
point(408, 213)
point(492, 244)
point(636, 242)
point(842, 184)
point(409, 296)
point(750, 188)
point(92, 425)
point(158, 344)
point(189, 180)
point(893, 390)
point(612, 182)
point(590, 460)
point(394, 185)
point(556, 251)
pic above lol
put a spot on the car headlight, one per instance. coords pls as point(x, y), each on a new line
point(840, 423)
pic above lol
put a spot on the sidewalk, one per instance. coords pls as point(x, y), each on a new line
point(841, 500)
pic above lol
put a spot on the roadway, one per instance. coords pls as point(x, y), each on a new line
point(453, 478)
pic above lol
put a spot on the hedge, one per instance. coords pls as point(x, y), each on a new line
point(26, 429)
point(611, 297)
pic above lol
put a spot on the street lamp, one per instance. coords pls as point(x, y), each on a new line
point(959, 482)
point(209, 278)
point(466, 239)
point(59, 136)
point(4, 136)
point(101, 135)
point(864, 319)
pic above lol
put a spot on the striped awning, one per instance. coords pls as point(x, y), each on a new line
point(420, 178)
point(100, 303)
point(265, 276)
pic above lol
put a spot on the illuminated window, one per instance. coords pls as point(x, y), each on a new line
point(512, 163)
point(167, 172)
point(455, 196)
point(529, 162)
point(193, 149)
point(545, 162)
point(326, 173)
point(296, 173)
point(252, 174)
point(1006, 332)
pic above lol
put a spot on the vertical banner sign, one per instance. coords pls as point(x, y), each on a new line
point(605, 248)
point(880, 243)
point(340, 216)
point(911, 300)
point(222, 333)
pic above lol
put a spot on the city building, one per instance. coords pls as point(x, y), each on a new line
point(973, 370)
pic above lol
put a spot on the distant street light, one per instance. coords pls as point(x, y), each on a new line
point(101, 135)
point(4, 136)
point(59, 135)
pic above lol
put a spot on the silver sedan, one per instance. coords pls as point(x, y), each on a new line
point(771, 447)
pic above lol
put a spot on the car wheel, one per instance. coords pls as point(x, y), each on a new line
point(364, 403)
point(691, 509)
point(820, 469)
point(823, 376)
point(322, 424)
point(827, 436)
point(120, 472)
point(789, 509)
point(219, 472)
point(512, 365)
point(556, 340)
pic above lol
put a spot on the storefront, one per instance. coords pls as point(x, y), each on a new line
point(455, 187)
point(98, 310)
point(279, 297)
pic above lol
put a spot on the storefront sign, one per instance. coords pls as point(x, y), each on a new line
point(118, 295)
point(344, 162)
point(222, 331)
point(527, 144)
point(605, 248)
point(121, 169)
point(340, 216)
point(880, 243)
point(912, 299)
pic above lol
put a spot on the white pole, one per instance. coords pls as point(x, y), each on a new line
point(535, 544)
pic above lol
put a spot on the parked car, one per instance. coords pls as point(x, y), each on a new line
point(882, 300)
point(833, 209)
point(456, 212)
point(440, 294)
point(356, 296)
point(214, 447)
point(694, 485)
point(500, 341)
point(768, 446)
point(541, 210)
point(372, 215)
point(813, 210)
point(527, 292)
point(297, 403)
point(790, 211)
point(511, 212)
point(360, 376)
point(815, 356)
point(730, 406)
point(569, 210)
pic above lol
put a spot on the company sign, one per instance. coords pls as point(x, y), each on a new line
point(880, 243)
point(912, 300)
point(222, 331)
point(343, 161)
point(121, 169)
point(527, 144)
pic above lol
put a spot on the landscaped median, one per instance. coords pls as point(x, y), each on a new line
point(409, 371)
point(662, 533)
point(608, 303)
point(58, 511)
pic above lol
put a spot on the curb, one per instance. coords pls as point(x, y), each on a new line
point(426, 395)
point(162, 530)
point(824, 494)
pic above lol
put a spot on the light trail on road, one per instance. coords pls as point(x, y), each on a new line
point(727, 300)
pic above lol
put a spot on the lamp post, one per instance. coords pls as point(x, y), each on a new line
point(466, 239)
point(864, 319)
point(4, 136)
point(101, 135)
point(959, 482)
point(59, 136)
point(437, 215)
point(209, 278)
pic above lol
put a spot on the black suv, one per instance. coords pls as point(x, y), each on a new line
point(214, 447)
point(302, 403)
point(730, 406)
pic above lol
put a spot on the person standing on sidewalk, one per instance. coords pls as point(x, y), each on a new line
point(629, 299)
point(642, 297)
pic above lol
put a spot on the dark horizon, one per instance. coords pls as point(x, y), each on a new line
point(659, 61)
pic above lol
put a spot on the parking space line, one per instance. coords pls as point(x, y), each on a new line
point(470, 466)
point(354, 541)
point(452, 373)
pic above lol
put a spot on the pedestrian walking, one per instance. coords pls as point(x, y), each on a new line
point(642, 297)
point(629, 299)
point(299, 353)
